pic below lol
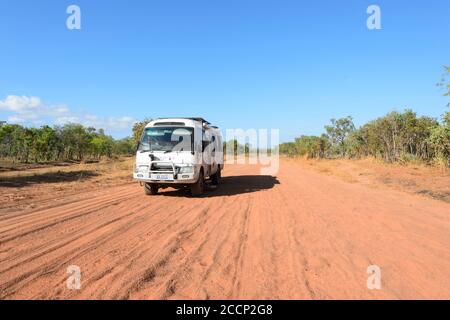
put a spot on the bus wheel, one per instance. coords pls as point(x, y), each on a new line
point(198, 187)
point(151, 189)
point(215, 179)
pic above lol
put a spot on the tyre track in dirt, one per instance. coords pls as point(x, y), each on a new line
point(86, 240)
point(301, 235)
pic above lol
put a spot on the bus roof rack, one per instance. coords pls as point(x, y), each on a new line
point(192, 118)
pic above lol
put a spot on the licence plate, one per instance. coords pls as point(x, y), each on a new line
point(162, 177)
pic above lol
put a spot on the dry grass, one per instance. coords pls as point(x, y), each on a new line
point(24, 186)
point(102, 166)
point(414, 178)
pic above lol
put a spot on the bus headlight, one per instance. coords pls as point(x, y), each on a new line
point(188, 169)
point(142, 169)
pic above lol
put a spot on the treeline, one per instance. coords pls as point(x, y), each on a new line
point(395, 137)
point(236, 147)
point(67, 142)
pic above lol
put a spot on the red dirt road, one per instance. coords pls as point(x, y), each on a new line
point(301, 235)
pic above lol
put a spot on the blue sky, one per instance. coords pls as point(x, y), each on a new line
point(291, 65)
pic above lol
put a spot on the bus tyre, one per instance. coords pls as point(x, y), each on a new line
point(151, 189)
point(198, 187)
point(215, 179)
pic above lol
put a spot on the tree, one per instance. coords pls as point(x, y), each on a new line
point(68, 142)
point(444, 84)
point(23, 140)
point(397, 136)
point(101, 144)
point(124, 146)
point(288, 149)
point(312, 146)
point(45, 143)
point(8, 141)
point(76, 141)
point(138, 129)
point(338, 132)
point(440, 138)
point(233, 147)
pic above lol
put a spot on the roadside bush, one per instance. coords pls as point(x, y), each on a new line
point(68, 142)
point(395, 137)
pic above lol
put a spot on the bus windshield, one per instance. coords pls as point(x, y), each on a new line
point(167, 139)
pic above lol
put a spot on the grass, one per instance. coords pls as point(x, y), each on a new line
point(22, 186)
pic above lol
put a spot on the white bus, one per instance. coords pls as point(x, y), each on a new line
point(179, 153)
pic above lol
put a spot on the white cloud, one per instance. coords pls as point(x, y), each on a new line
point(30, 109)
point(16, 119)
point(25, 109)
point(20, 104)
point(63, 120)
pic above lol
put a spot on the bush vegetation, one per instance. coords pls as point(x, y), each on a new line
point(395, 137)
point(60, 143)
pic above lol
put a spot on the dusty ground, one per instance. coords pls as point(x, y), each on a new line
point(304, 234)
point(420, 179)
point(29, 186)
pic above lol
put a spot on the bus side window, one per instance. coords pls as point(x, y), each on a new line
point(205, 141)
point(213, 141)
